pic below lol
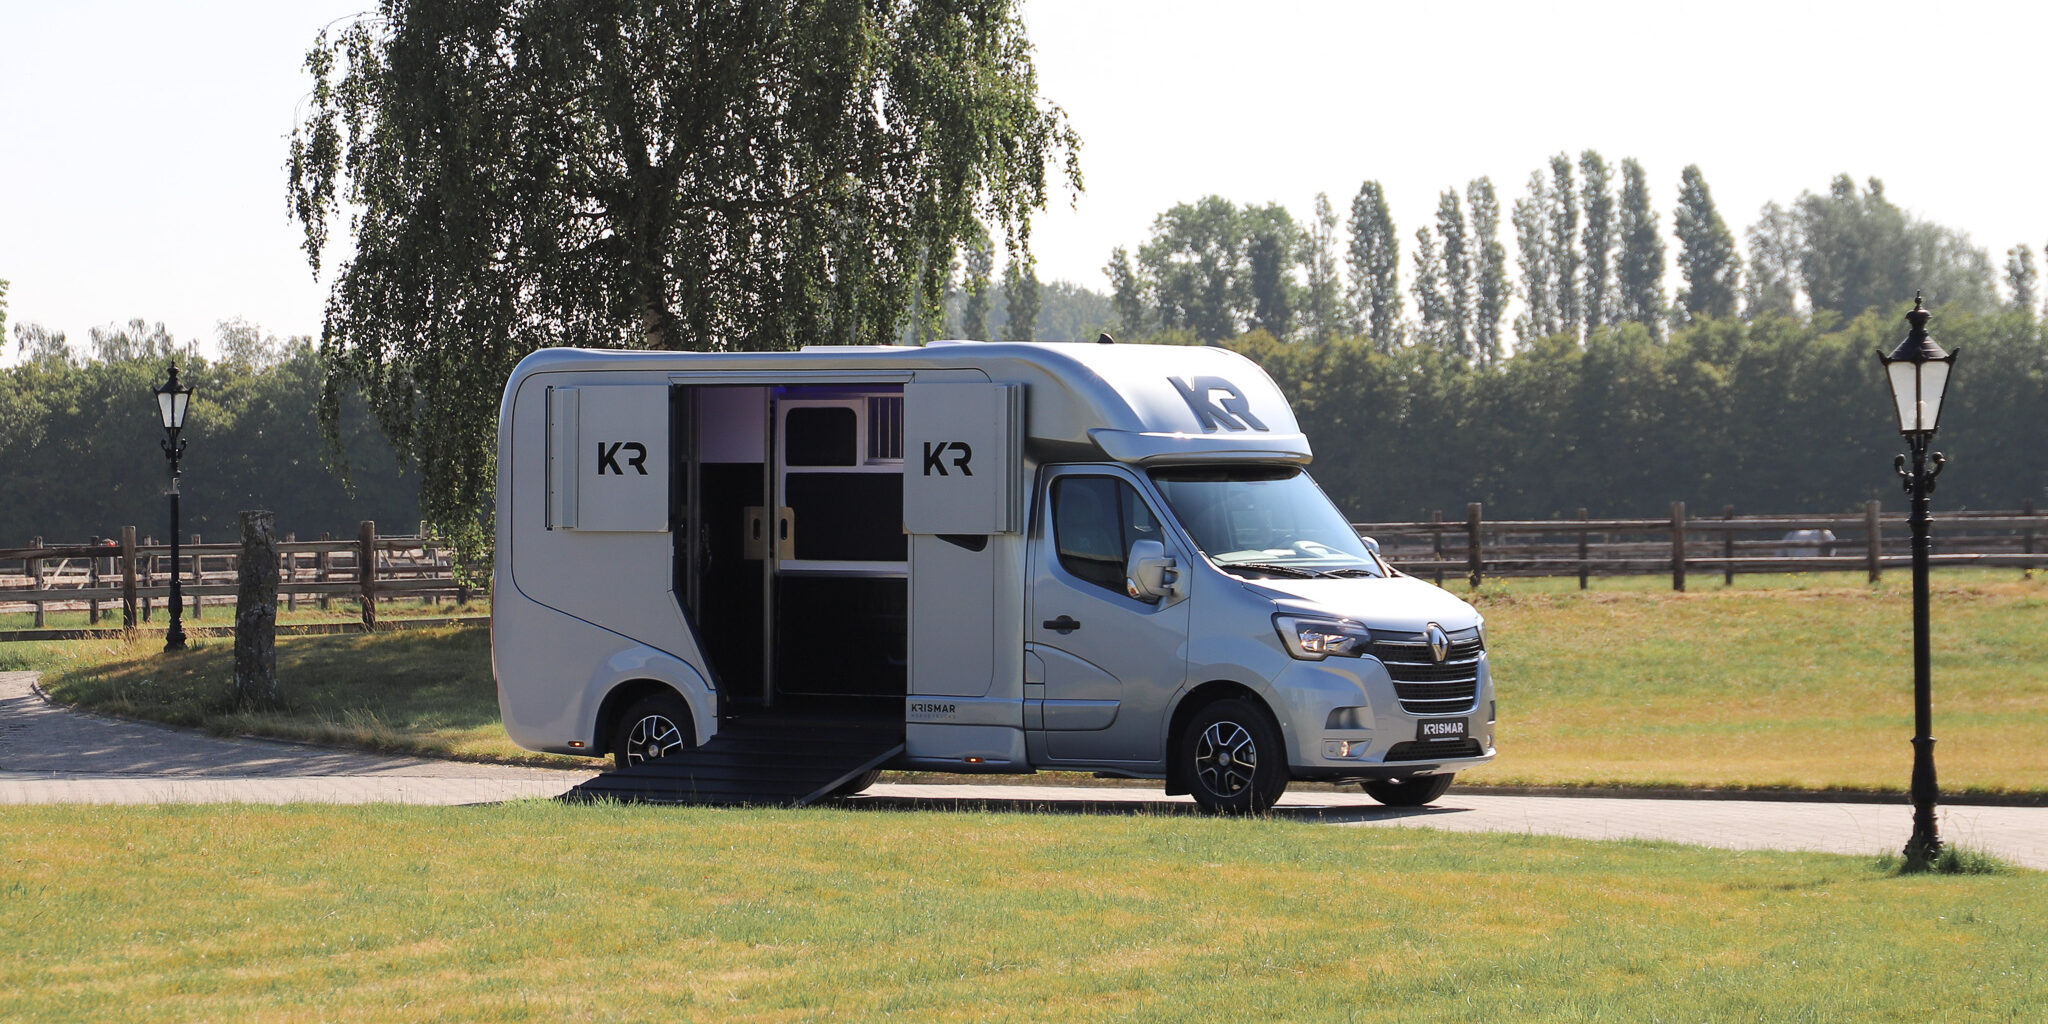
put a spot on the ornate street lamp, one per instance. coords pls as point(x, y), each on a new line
point(172, 399)
point(1919, 372)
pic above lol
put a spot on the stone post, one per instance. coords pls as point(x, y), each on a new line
point(256, 614)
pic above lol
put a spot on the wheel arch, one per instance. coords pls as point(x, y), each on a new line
point(1190, 704)
point(622, 696)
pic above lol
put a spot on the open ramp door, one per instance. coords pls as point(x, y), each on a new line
point(771, 759)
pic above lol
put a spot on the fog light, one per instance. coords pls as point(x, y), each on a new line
point(575, 743)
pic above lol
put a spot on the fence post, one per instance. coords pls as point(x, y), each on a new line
point(2027, 538)
point(148, 572)
point(289, 564)
point(92, 580)
point(198, 577)
point(321, 563)
point(1728, 549)
point(1475, 557)
point(1873, 540)
point(366, 571)
point(128, 577)
point(35, 575)
point(1584, 567)
point(1437, 538)
point(1678, 545)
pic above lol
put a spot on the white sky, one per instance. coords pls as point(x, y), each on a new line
point(142, 144)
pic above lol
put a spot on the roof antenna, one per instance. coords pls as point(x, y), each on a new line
point(1105, 339)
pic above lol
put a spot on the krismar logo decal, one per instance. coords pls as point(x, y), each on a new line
point(928, 710)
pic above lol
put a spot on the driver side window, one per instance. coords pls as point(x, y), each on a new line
point(1095, 519)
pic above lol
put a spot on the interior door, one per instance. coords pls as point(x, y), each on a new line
point(1110, 663)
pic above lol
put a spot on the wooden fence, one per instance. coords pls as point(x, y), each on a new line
point(131, 579)
point(1684, 544)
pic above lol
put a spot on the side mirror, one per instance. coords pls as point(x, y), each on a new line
point(1149, 572)
point(1371, 545)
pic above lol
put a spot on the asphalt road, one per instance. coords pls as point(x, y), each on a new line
point(52, 754)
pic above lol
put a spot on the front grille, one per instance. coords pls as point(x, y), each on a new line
point(1426, 686)
point(1434, 750)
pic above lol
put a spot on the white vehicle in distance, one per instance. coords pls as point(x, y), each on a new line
point(962, 557)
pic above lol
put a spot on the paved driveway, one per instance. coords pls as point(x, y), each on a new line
point(51, 754)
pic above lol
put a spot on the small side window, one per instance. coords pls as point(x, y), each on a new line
point(1094, 521)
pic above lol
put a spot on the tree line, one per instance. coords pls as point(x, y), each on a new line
point(1589, 251)
point(1773, 414)
point(83, 434)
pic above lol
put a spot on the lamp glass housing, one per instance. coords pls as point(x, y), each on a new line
point(1917, 390)
point(172, 399)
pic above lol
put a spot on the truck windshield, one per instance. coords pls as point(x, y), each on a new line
point(1264, 520)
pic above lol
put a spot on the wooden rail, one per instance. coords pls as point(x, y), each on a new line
point(368, 567)
point(1681, 544)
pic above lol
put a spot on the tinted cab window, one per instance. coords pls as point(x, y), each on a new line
point(1095, 519)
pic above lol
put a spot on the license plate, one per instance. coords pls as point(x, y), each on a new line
point(1440, 729)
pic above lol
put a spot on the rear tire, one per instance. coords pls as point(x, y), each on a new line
point(1232, 756)
point(1414, 791)
point(858, 783)
point(655, 726)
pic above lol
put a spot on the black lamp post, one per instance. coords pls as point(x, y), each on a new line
point(172, 399)
point(1919, 371)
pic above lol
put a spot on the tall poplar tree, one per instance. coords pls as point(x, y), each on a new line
point(1706, 251)
point(1596, 198)
point(1564, 246)
point(1772, 284)
point(1374, 259)
point(979, 262)
point(2021, 279)
point(533, 173)
point(1020, 298)
point(1457, 274)
point(1127, 293)
point(1490, 277)
point(1432, 315)
point(1273, 243)
point(1640, 274)
point(1533, 258)
point(1322, 301)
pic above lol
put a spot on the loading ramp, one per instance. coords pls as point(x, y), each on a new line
point(785, 759)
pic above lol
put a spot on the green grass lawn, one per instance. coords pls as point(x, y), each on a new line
point(1782, 681)
point(1791, 681)
point(548, 912)
point(223, 616)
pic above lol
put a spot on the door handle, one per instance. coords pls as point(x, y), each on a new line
point(1062, 625)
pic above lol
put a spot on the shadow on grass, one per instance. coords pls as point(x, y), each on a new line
point(1150, 805)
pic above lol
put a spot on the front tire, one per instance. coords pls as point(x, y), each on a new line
point(655, 726)
point(1233, 759)
point(1414, 791)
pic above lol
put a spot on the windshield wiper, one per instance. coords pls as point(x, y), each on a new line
point(1281, 570)
point(1357, 571)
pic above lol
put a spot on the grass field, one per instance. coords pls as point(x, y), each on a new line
point(223, 615)
point(1787, 681)
point(1780, 681)
point(600, 913)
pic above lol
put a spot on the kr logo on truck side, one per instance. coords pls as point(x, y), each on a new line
point(935, 454)
point(608, 457)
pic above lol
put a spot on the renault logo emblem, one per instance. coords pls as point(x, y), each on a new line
point(1439, 642)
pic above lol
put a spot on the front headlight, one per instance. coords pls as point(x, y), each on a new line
point(1313, 639)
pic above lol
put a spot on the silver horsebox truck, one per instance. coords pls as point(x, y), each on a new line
point(764, 577)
